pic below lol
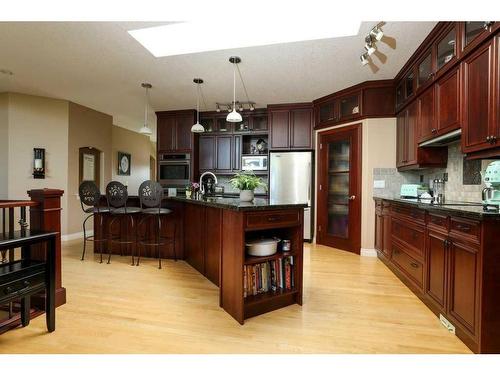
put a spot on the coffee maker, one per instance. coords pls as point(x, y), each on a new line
point(491, 178)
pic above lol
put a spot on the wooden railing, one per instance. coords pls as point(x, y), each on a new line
point(8, 216)
point(8, 210)
point(44, 215)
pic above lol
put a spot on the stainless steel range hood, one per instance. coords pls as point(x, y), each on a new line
point(443, 140)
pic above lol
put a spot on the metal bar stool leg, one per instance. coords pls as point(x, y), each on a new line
point(158, 229)
point(173, 240)
point(85, 236)
point(111, 236)
point(133, 231)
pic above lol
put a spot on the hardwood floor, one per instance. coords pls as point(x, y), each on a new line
point(352, 304)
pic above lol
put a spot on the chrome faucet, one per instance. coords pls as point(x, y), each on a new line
point(202, 187)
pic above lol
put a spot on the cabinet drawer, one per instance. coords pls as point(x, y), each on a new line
point(409, 266)
point(465, 228)
point(21, 286)
point(272, 219)
point(409, 213)
point(438, 221)
point(411, 235)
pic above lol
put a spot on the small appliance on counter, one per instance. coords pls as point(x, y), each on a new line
point(412, 191)
point(491, 193)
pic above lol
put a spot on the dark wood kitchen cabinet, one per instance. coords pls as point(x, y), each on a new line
point(436, 268)
point(174, 130)
point(224, 153)
point(408, 154)
point(219, 153)
point(426, 121)
point(463, 283)
point(447, 93)
point(473, 33)
point(202, 244)
point(479, 93)
point(207, 155)
point(460, 265)
point(290, 126)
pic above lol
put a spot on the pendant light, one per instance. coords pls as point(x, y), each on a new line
point(234, 116)
point(145, 128)
point(197, 128)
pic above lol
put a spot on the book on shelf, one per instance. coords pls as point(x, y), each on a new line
point(273, 275)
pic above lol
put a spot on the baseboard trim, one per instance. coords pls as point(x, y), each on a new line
point(368, 252)
point(75, 236)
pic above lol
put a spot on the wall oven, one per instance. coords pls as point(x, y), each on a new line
point(174, 170)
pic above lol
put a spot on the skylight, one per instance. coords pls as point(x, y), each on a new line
point(202, 36)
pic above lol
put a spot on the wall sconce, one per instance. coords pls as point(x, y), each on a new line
point(39, 163)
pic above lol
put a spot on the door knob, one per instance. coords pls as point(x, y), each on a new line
point(352, 197)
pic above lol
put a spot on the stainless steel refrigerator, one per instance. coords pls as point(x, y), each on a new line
point(291, 179)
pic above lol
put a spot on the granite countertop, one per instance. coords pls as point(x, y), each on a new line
point(465, 209)
point(231, 203)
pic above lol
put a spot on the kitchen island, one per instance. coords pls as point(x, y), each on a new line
point(211, 235)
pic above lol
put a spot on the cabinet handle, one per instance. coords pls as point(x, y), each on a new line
point(434, 131)
point(352, 197)
point(414, 265)
point(464, 228)
point(493, 139)
point(272, 218)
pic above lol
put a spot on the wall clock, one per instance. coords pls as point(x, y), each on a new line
point(124, 164)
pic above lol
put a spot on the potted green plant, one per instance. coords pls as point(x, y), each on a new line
point(246, 182)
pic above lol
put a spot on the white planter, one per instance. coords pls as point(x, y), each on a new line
point(246, 195)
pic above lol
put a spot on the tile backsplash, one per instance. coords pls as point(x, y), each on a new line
point(224, 181)
point(454, 187)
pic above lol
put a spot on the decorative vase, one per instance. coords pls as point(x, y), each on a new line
point(246, 195)
point(188, 193)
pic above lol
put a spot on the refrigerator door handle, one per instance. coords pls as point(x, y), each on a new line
point(309, 174)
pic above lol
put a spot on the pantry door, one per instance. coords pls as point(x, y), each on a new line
point(339, 188)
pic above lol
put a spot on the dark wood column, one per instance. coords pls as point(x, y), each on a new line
point(46, 216)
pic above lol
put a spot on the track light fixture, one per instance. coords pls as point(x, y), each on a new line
point(377, 33)
point(364, 59)
point(217, 107)
point(252, 108)
point(369, 45)
point(239, 106)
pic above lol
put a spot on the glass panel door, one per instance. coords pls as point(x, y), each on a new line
point(338, 188)
point(446, 49)
point(425, 70)
point(473, 29)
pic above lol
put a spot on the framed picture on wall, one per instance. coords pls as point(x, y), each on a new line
point(124, 164)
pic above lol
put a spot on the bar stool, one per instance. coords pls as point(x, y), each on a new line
point(117, 195)
point(90, 196)
point(151, 196)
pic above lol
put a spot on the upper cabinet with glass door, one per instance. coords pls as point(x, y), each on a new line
point(446, 49)
point(474, 32)
point(424, 70)
point(348, 106)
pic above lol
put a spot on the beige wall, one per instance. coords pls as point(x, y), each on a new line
point(139, 147)
point(4, 144)
point(37, 122)
point(378, 151)
point(87, 128)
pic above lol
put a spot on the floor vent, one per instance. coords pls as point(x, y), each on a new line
point(450, 327)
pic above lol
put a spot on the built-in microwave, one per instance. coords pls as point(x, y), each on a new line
point(254, 163)
point(174, 170)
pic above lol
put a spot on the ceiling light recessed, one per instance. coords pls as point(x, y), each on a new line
point(204, 35)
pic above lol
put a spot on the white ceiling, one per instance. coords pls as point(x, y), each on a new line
point(99, 65)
